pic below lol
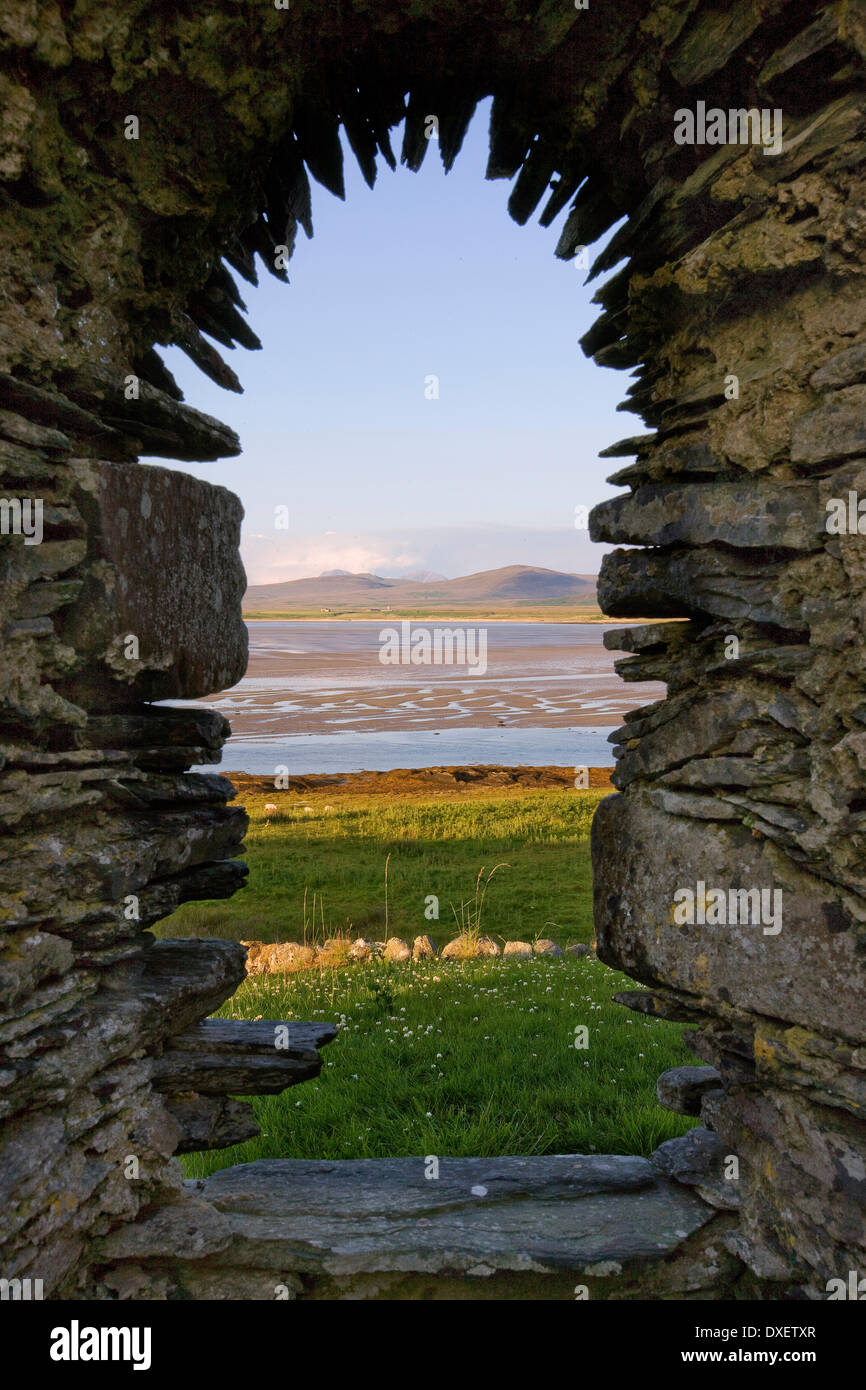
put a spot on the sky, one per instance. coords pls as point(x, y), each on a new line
point(425, 275)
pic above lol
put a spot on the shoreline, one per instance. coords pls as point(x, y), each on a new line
point(596, 619)
point(445, 779)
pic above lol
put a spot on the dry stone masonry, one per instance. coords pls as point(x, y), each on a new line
point(149, 156)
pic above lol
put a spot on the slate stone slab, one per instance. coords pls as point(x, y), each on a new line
point(544, 1214)
point(682, 1089)
point(166, 570)
point(700, 1159)
point(241, 1057)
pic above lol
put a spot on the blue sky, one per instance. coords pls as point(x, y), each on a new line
point(424, 275)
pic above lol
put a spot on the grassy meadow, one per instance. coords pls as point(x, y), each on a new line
point(455, 1057)
point(553, 611)
point(330, 851)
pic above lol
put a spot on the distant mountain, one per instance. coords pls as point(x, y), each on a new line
point(410, 577)
point(512, 587)
point(416, 577)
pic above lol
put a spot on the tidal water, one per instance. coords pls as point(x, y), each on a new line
point(317, 697)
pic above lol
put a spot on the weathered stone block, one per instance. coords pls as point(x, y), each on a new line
point(683, 1088)
point(842, 369)
point(701, 1160)
point(808, 970)
point(836, 429)
point(804, 1200)
point(751, 514)
point(159, 616)
point(26, 959)
point(237, 1056)
point(210, 1122)
point(515, 1227)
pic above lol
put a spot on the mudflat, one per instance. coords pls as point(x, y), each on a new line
point(308, 678)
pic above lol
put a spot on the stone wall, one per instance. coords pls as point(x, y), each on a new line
point(752, 772)
point(736, 293)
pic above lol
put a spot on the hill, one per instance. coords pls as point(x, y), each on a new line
point(514, 590)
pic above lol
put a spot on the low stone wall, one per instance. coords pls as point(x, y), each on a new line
point(573, 1227)
point(563, 1227)
point(284, 957)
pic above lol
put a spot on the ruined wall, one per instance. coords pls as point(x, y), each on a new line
point(752, 773)
point(117, 237)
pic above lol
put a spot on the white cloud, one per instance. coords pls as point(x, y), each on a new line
point(452, 551)
point(270, 560)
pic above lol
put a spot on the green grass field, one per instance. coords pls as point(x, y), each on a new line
point(436, 846)
point(461, 1058)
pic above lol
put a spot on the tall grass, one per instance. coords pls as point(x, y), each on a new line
point(430, 847)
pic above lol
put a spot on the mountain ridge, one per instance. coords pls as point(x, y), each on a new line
point(510, 586)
